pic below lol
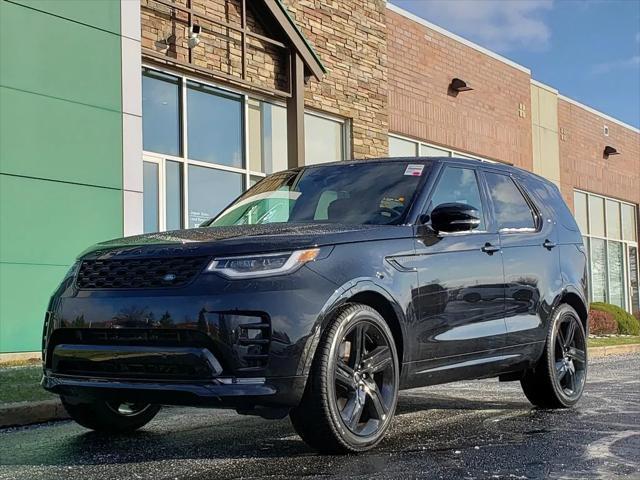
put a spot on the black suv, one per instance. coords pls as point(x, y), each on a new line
point(321, 292)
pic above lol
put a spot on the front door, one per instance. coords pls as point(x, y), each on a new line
point(460, 300)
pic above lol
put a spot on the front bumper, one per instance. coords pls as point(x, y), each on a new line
point(222, 392)
point(213, 342)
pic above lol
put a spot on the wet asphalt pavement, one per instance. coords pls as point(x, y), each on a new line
point(468, 430)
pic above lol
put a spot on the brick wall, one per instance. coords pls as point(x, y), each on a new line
point(582, 165)
point(484, 121)
point(350, 37)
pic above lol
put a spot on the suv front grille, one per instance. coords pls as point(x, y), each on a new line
point(139, 273)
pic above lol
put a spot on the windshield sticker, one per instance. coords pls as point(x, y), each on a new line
point(414, 170)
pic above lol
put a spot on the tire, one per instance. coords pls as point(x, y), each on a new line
point(352, 390)
point(110, 417)
point(558, 379)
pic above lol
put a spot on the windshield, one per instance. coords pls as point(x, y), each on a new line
point(367, 193)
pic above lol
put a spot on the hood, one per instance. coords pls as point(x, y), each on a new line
point(242, 239)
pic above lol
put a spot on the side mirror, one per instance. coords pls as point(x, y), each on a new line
point(455, 217)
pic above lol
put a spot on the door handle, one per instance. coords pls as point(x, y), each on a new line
point(490, 249)
point(548, 244)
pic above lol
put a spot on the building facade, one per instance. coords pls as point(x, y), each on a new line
point(128, 116)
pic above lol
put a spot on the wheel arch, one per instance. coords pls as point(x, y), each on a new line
point(368, 293)
point(386, 310)
point(574, 300)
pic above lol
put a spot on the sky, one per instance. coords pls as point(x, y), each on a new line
point(587, 49)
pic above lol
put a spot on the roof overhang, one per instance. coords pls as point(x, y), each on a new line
point(312, 64)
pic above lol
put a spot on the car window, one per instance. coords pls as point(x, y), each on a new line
point(458, 185)
point(352, 193)
point(511, 209)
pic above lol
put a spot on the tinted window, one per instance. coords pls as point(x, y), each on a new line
point(367, 193)
point(160, 113)
point(210, 191)
point(150, 196)
point(173, 193)
point(511, 209)
point(214, 126)
point(458, 185)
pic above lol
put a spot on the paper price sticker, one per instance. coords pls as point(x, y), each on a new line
point(414, 170)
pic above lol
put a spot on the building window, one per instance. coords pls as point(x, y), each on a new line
point(161, 107)
point(214, 126)
point(150, 197)
point(406, 147)
point(324, 139)
point(204, 145)
point(399, 147)
point(609, 228)
point(267, 137)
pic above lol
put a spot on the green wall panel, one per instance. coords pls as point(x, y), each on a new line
point(46, 222)
point(49, 138)
point(59, 58)
point(24, 294)
point(104, 14)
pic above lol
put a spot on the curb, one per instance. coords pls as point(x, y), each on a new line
point(20, 357)
point(26, 413)
point(599, 352)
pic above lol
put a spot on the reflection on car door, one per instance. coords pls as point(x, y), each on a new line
point(460, 299)
point(531, 262)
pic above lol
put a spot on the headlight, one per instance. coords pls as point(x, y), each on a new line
point(262, 265)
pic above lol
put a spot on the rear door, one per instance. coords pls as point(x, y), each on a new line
point(530, 256)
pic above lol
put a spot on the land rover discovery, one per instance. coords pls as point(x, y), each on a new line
point(321, 292)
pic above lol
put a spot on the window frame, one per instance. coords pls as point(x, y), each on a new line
point(346, 132)
point(452, 153)
point(247, 173)
point(626, 244)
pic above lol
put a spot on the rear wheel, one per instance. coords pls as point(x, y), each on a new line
point(352, 390)
point(558, 379)
point(112, 416)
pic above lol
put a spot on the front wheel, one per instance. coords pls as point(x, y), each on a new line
point(352, 390)
point(558, 379)
point(111, 416)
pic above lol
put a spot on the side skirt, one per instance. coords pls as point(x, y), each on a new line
point(484, 364)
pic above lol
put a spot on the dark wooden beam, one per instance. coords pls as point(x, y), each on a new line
point(295, 112)
point(296, 38)
point(207, 74)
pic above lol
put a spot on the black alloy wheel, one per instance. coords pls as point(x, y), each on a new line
point(352, 391)
point(558, 379)
point(365, 385)
point(110, 416)
point(570, 356)
point(128, 409)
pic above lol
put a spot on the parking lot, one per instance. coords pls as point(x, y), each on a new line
point(480, 429)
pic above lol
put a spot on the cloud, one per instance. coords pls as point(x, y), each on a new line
point(500, 25)
point(623, 64)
